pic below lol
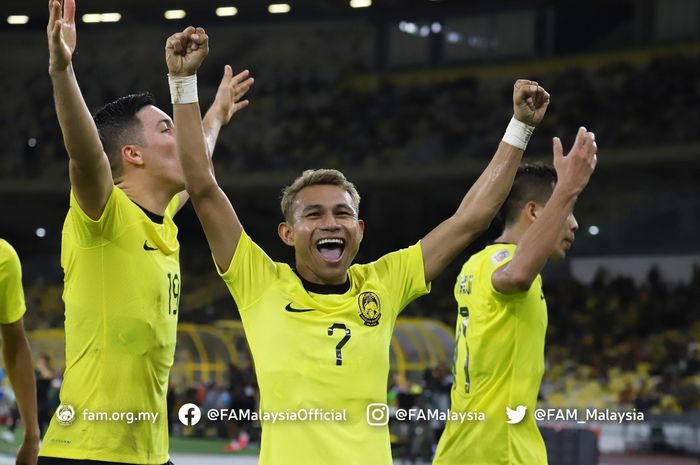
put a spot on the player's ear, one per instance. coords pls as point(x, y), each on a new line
point(286, 233)
point(361, 224)
point(132, 155)
point(531, 211)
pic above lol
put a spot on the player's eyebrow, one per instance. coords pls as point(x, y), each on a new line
point(168, 122)
point(344, 206)
point(318, 206)
point(315, 206)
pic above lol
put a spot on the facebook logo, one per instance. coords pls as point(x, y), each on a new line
point(189, 414)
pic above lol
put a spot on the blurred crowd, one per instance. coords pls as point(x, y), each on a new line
point(317, 102)
point(617, 344)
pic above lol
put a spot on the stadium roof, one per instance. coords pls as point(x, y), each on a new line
point(199, 10)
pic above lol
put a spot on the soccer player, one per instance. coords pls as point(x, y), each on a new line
point(120, 255)
point(320, 331)
point(502, 320)
point(15, 351)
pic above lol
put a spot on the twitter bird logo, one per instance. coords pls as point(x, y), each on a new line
point(517, 415)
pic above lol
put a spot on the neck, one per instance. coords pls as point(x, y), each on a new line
point(152, 196)
point(306, 273)
point(512, 234)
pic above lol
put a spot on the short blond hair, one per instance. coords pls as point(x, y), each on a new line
point(315, 178)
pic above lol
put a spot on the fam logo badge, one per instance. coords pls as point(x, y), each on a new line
point(499, 256)
point(370, 310)
point(65, 414)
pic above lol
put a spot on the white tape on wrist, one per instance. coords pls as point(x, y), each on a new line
point(518, 133)
point(183, 89)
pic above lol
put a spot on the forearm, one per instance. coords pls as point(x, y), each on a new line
point(212, 124)
point(192, 147)
point(80, 134)
point(18, 363)
point(485, 197)
point(474, 214)
point(539, 241)
point(219, 221)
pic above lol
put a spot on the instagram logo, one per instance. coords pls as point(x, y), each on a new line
point(377, 414)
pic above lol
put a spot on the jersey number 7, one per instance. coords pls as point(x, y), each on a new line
point(343, 341)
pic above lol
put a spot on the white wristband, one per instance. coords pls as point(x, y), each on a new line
point(518, 133)
point(183, 89)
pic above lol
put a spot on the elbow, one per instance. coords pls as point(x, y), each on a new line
point(509, 281)
point(520, 282)
point(485, 216)
point(482, 224)
point(476, 224)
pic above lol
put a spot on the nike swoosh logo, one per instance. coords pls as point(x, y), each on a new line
point(147, 248)
point(297, 310)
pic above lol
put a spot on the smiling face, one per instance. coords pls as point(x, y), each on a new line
point(325, 232)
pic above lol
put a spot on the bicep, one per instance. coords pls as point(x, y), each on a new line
point(92, 185)
point(442, 244)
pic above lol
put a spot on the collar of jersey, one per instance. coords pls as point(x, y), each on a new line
point(324, 288)
point(152, 216)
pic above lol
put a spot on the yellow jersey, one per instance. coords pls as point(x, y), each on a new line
point(499, 363)
point(121, 293)
point(322, 349)
point(12, 305)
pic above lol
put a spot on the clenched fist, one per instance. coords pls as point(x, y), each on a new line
point(530, 102)
point(185, 51)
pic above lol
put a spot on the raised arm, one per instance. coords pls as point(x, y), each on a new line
point(226, 104)
point(484, 198)
point(90, 174)
point(18, 362)
point(184, 53)
point(538, 242)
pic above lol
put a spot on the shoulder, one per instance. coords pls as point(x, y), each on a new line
point(498, 254)
point(7, 252)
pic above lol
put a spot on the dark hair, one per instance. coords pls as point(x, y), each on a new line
point(533, 182)
point(117, 126)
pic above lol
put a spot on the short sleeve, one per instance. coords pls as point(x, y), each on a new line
point(492, 261)
point(250, 273)
point(12, 306)
point(403, 272)
point(91, 233)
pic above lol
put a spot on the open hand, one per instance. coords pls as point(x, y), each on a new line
point(230, 92)
point(28, 452)
point(61, 34)
point(575, 169)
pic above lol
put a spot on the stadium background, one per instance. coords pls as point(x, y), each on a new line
point(409, 99)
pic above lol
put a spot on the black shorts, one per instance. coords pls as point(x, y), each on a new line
point(57, 461)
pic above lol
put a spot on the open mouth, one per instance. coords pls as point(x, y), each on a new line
point(331, 249)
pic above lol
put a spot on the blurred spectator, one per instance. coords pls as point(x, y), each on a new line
point(46, 395)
